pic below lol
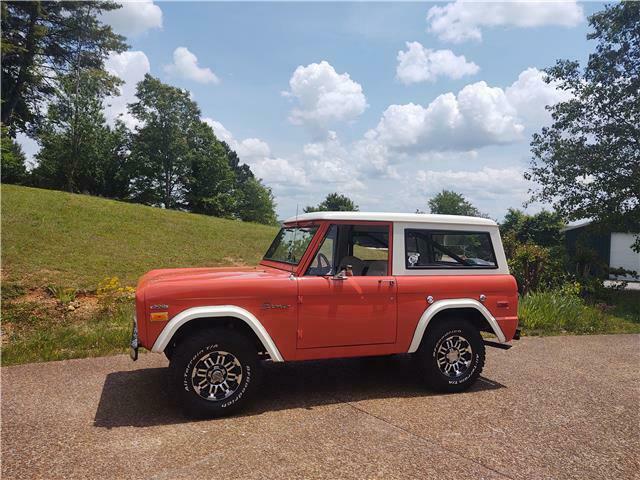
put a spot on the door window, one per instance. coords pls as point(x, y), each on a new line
point(365, 248)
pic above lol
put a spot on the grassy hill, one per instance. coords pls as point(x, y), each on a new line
point(51, 237)
point(57, 248)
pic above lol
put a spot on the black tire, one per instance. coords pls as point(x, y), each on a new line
point(437, 355)
point(220, 359)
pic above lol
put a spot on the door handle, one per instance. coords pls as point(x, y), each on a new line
point(390, 282)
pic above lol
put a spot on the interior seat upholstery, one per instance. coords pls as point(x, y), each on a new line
point(377, 268)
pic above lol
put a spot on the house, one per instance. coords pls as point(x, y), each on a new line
point(595, 248)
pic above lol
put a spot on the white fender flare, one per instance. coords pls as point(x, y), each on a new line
point(217, 311)
point(441, 305)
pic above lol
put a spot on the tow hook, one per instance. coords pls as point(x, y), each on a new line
point(517, 334)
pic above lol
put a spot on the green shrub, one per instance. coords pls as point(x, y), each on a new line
point(564, 311)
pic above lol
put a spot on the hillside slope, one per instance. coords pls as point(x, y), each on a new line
point(52, 237)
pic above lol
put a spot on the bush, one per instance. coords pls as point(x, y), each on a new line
point(564, 311)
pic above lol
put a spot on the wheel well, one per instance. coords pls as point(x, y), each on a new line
point(196, 325)
point(470, 314)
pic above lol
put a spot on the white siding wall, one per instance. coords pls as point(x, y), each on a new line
point(622, 256)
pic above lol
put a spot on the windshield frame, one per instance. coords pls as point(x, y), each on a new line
point(314, 229)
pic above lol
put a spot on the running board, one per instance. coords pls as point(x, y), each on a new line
point(502, 346)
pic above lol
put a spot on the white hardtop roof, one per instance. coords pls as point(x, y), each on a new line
point(394, 217)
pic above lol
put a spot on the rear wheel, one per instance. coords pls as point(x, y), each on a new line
point(214, 373)
point(452, 355)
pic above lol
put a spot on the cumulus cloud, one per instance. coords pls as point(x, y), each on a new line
point(185, 65)
point(529, 95)
point(479, 115)
point(479, 184)
point(131, 67)
point(256, 153)
point(324, 96)
point(461, 21)
point(134, 17)
point(419, 64)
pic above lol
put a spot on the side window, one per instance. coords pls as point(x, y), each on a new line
point(365, 248)
point(323, 262)
point(368, 250)
point(448, 249)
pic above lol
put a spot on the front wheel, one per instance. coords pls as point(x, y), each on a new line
point(452, 355)
point(214, 373)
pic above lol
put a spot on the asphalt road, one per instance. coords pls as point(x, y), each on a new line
point(559, 407)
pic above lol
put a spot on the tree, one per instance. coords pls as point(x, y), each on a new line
point(255, 203)
point(448, 202)
point(12, 168)
point(75, 138)
point(210, 180)
point(587, 163)
point(40, 42)
point(161, 145)
point(334, 202)
point(543, 228)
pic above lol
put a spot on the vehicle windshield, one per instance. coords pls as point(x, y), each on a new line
point(290, 244)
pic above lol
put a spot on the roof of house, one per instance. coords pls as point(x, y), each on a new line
point(393, 217)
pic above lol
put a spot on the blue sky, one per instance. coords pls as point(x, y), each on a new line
point(305, 91)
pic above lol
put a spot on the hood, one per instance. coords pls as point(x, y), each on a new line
point(188, 275)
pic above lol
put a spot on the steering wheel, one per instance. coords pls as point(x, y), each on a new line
point(323, 258)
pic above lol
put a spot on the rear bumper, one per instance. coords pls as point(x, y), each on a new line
point(133, 348)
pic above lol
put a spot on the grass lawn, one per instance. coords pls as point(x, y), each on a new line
point(51, 237)
point(57, 247)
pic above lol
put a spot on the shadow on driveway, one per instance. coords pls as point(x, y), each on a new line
point(139, 398)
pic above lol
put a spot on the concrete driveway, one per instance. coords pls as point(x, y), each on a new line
point(559, 407)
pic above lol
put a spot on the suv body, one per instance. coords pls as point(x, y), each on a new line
point(333, 284)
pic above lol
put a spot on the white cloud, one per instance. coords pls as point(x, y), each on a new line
point(185, 65)
point(134, 18)
point(324, 97)
point(419, 64)
point(479, 115)
point(530, 94)
point(130, 66)
point(461, 21)
point(256, 153)
point(486, 183)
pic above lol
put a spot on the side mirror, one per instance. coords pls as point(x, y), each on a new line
point(343, 274)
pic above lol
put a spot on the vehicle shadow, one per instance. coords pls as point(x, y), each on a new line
point(139, 398)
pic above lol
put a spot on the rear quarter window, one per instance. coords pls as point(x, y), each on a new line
point(427, 249)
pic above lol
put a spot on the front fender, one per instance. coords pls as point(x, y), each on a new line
point(217, 311)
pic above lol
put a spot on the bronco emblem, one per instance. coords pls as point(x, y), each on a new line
point(274, 306)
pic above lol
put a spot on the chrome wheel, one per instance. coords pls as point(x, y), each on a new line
point(454, 356)
point(216, 376)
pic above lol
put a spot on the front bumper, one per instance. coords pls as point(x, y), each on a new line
point(133, 349)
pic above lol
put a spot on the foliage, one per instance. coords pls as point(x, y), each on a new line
point(255, 202)
point(42, 41)
point(588, 161)
point(62, 294)
point(543, 228)
point(51, 237)
point(564, 311)
point(160, 147)
point(528, 264)
point(13, 168)
point(80, 153)
point(335, 202)
point(209, 183)
point(448, 202)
